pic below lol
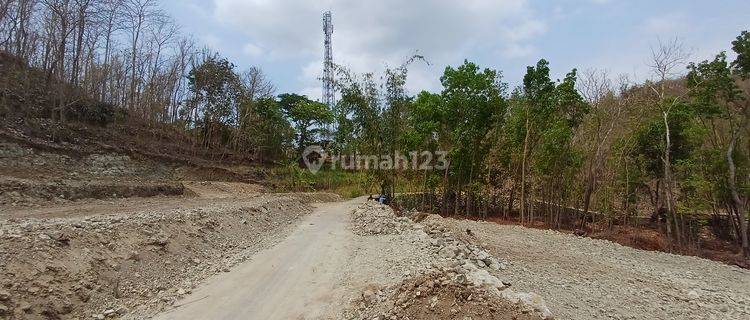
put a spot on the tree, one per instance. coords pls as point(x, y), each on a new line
point(309, 118)
point(665, 59)
point(272, 134)
point(471, 99)
point(596, 89)
point(717, 96)
point(216, 89)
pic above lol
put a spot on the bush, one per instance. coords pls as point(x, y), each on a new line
point(98, 113)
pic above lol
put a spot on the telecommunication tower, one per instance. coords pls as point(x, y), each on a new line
point(328, 90)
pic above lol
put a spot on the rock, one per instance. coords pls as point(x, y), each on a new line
point(122, 311)
point(25, 306)
point(369, 295)
point(529, 300)
point(447, 252)
point(497, 266)
point(4, 295)
point(481, 278)
point(692, 295)
point(4, 310)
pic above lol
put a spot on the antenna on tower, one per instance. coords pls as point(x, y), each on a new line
point(328, 91)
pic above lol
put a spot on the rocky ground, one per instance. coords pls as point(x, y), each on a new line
point(419, 271)
point(33, 177)
point(30, 177)
point(117, 264)
point(583, 278)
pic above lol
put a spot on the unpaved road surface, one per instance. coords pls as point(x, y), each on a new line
point(295, 279)
point(583, 278)
point(235, 254)
point(95, 259)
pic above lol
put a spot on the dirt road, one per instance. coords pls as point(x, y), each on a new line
point(295, 279)
point(287, 256)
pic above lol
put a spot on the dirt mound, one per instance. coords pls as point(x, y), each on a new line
point(445, 278)
point(439, 294)
point(123, 263)
point(217, 189)
point(28, 192)
point(316, 197)
point(372, 218)
point(584, 278)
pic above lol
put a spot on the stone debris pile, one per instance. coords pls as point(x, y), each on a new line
point(461, 282)
point(124, 264)
point(372, 218)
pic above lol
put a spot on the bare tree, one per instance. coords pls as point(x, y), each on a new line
point(666, 59)
point(82, 11)
point(596, 87)
point(61, 12)
point(137, 16)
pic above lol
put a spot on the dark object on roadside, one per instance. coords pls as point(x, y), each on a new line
point(469, 232)
point(580, 232)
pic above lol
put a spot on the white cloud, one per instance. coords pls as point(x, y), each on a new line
point(211, 40)
point(517, 51)
point(525, 30)
point(370, 35)
point(252, 50)
point(667, 24)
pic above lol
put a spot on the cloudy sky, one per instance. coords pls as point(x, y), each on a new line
point(285, 38)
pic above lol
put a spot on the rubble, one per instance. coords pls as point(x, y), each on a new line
point(584, 278)
point(128, 264)
point(459, 271)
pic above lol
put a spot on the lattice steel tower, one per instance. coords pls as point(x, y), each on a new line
point(328, 91)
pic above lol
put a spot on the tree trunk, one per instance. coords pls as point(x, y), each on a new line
point(523, 168)
point(738, 202)
point(668, 183)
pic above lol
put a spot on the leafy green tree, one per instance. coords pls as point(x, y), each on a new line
point(216, 89)
point(472, 98)
point(718, 98)
point(741, 46)
point(273, 135)
point(309, 118)
point(540, 128)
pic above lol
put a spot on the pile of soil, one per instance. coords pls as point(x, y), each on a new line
point(585, 278)
point(440, 276)
point(439, 294)
point(130, 263)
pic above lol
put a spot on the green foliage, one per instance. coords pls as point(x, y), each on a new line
point(741, 47)
point(545, 115)
point(348, 184)
point(570, 104)
point(272, 132)
point(216, 88)
point(711, 86)
point(650, 140)
point(309, 118)
point(425, 122)
point(471, 99)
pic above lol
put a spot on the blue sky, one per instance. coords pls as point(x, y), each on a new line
point(284, 38)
